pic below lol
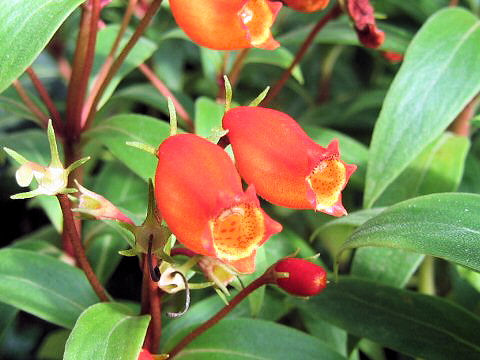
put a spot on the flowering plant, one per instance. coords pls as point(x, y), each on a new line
point(239, 179)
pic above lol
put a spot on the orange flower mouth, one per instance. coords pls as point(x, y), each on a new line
point(257, 18)
point(238, 231)
point(327, 180)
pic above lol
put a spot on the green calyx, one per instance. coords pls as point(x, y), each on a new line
point(151, 230)
point(51, 179)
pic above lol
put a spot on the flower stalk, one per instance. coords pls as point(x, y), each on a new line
point(79, 251)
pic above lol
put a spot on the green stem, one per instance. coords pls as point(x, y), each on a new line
point(426, 276)
point(79, 251)
point(266, 278)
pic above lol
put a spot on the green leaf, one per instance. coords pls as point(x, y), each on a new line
point(438, 78)
point(107, 331)
point(415, 324)
point(44, 286)
point(439, 168)
point(280, 57)
point(237, 339)
point(53, 347)
point(25, 29)
point(7, 315)
point(142, 50)
point(102, 251)
point(208, 115)
point(441, 225)
point(117, 130)
point(392, 267)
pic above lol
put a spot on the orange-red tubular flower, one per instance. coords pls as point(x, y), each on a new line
point(306, 5)
point(199, 194)
point(227, 24)
point(287, 167)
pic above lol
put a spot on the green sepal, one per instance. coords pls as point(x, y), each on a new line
point(129, 252)
point(260, 97)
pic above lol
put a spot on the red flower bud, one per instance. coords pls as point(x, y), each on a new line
point(287, 168)
point(307, 5)
point(145, 355)
point(199, 194)
point(304, 278)
point(227, 24)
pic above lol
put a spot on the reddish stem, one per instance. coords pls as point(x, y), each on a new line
point(42, 91)
point(266, 278)
point(77, 70)
point(182, 251)
point(87, 66)
point(453, 3)
point(162, 88)
point(154, 6)
point(332, 14)
point(109, 60)
point(69, 228)
point(151, 304)
point(30, 104)
point(237, 66)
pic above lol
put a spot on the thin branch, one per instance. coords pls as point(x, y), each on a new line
point(39, 114)
point(332, 14)
point(154, 6)
point(237, 66)
point(266, 278)
point(42, 91)
point(109, 60)
point(162, 89)
point(77, 70)
point(78, 247)
point(87, 66)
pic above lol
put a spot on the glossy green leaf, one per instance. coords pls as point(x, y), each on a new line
point(439, 168)
point(237, 339)
point(392, 267)
point(53, 346)
point(142, 50)
point(441, 225)
point(148, 95)
point(25, 29)
point(208, 115)
point(44, 286)
point(418, 325)
point(102, 251)
point(438, 78)
point(280, 57)
point(117, 130)
point(107, 331)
